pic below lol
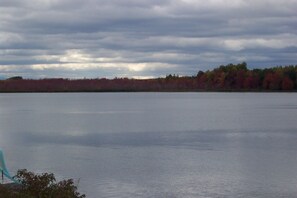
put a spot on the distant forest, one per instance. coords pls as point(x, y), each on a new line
point(231, 77)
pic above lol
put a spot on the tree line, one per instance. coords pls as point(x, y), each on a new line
point(239, 77)
point(231, 77)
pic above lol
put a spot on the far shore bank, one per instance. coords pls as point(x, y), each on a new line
point(229, 78)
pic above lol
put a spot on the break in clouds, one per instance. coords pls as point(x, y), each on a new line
point(142, 38)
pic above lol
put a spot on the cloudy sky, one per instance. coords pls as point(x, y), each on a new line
point(142, 38)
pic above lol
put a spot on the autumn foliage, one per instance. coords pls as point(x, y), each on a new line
point(238, 77)
point(229, 77)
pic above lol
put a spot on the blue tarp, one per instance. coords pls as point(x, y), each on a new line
point(3, 168)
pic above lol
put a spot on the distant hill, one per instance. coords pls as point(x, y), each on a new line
point(15, 78)
point(231, 77)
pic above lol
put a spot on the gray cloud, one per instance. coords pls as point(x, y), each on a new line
point(142, 38)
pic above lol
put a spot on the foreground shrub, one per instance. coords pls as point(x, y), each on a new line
point(40, 186)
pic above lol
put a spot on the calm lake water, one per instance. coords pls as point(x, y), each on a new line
point(128, 145)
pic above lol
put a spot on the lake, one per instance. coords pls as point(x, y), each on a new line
point(156, 144)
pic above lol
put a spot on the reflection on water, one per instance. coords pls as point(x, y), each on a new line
point(156, 144)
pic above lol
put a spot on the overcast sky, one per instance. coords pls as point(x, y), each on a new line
point(143, 38)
